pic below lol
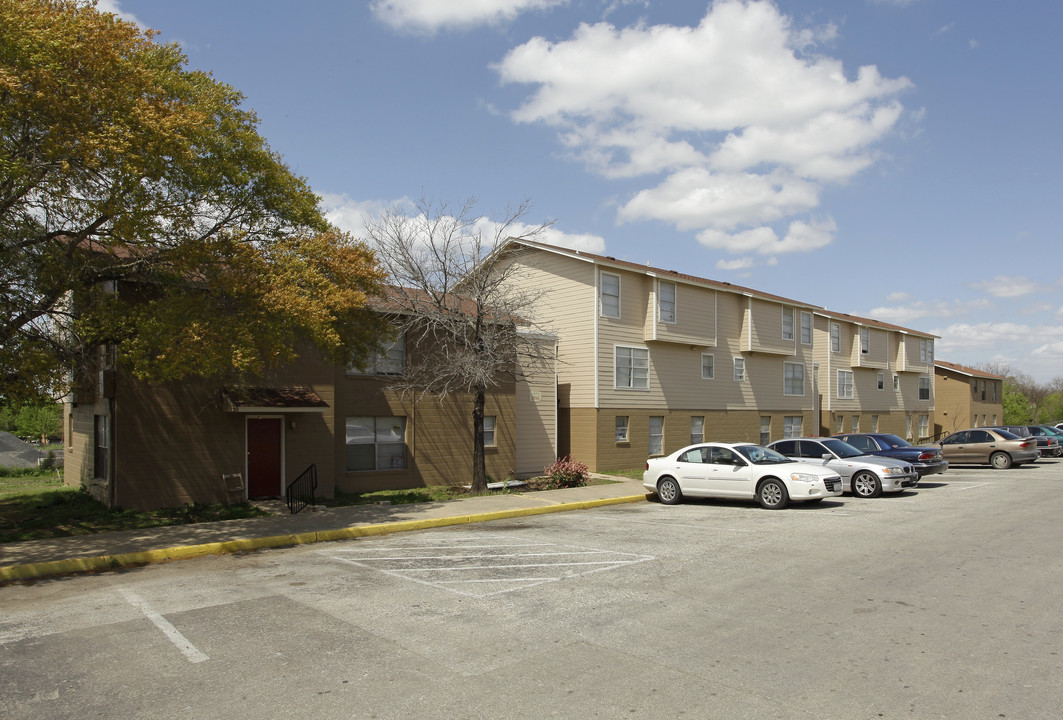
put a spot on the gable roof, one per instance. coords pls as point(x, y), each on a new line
point(968, 371)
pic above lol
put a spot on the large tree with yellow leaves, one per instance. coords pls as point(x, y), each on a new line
point(140, 207)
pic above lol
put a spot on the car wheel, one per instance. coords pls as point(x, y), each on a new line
point(1000, 460)
point(668, 491)
point(866, 485)
point(772, 494)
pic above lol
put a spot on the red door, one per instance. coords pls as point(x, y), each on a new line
point(264, 457)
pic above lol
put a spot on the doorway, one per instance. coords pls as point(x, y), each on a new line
point(265, 475)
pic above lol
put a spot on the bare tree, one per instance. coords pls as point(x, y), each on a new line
point(453, 293)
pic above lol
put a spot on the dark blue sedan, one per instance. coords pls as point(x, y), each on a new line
point(927, 460)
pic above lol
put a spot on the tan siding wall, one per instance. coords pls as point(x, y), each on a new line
point(765, 328)
point(583, 424)
point(536, 419)
point(695, 318)
point(958, 407)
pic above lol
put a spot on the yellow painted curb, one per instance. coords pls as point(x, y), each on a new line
point(148, 557)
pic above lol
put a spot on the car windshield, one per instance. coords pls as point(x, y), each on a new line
point(1006, 435)
point(894, 441)
point(1054, 432)
point(759, 455)
point(841, 449)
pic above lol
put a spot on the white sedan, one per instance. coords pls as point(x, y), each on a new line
point(738, 470)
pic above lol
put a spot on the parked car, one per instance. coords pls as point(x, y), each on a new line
point(980, 446)
point(1047, 443)
point(863, 475)
point(738, 470)
point(926, 459)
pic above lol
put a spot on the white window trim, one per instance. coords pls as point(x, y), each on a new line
point(835, 335)
point(788, 312)
point(841, 385)
point(627, 428)
point(712, 376)
point(675, 302)
point(880, 381)
point(808, 315)
point(734, 370)
point(632, 388)
point(601, 295)
point(793, 394)
point(865, 341)
point(493, 431)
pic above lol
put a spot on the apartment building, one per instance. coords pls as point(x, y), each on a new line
point(967, 397)
point(650, 360)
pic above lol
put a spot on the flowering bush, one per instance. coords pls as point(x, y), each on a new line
point(566, 472)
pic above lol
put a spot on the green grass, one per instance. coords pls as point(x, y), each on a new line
point(35, 505)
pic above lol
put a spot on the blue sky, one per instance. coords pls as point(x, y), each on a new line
point(897, 159)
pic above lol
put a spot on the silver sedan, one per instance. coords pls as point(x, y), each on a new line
point(863, 475)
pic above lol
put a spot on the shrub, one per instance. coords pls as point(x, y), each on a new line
point(566, 472)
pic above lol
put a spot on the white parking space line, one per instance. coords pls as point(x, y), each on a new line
point(173, 634)
point(448, 561)
point(975, 485)
point(667, 524)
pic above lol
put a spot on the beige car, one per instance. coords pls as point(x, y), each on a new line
point(992, 446)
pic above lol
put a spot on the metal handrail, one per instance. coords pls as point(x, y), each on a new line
point(301, 491)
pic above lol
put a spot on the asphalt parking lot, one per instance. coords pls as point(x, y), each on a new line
point(941, 602)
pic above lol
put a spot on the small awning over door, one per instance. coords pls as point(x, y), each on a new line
point(271, 400)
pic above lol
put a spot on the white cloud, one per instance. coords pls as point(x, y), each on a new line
point(743, 115)
point(907, 314)
point(430, 16)
point(1005, 286)
point(898, 297)
point(739, 264)
point(111, 6)
point(802, 237)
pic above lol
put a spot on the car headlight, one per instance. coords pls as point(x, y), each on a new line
point(893, 471)
point(803, 477)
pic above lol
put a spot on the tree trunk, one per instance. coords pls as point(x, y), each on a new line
point(479, 464)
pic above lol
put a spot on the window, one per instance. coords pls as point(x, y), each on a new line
point(896, 383)
point(610, 295)
point(993, 392)
point(101, 458)
point(865, 340)
point(982, 387)
point(908, 427)
point(697, 429)
point(489, 431)
point(632, 368)
point(994, 420)
point(787, 323)
point(924, 425)
point(740, 369)
point(376, 443)
point(621, 428)
point(765, 429)
point(841, 423)
point(791, 426)
point(806, 328)
point(656, 435)
point(926, 351)
point(924, 388)
point(835, 337)
point(856, 423)
point(874, 423)
point(708, 368)
point(881, 381)
point(845, 384)
point(388, 360)
point(666, 301)
point(793, 382)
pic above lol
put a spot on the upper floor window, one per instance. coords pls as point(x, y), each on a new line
point(632, 368)
point(666, 301)
point(896, 383)
point(708, 366)
point(389, 360)
point(787, 323)
point(845, 384)
point(865, 340)
point(610, 295)
point(806, 328)
point(793, 382)
point(924, 388)
point(835, 337)
point(740, 369)
point(926, 351)
point(881, 381)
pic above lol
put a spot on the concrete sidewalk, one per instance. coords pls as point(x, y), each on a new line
point(129, 548)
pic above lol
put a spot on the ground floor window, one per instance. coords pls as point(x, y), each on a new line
point(489, 431)
point(874, 423)
point(908, 427)
point(621, 428)
point(697, 429)
point(765, 429)
point(656, 434)
point(376, 443)
point(101, 457)
point(924, 425)
point(856, 423)
point(791, 426)
point(841, 423)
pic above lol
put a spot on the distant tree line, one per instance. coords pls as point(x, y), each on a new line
point(32, 420)
point(1026, 401)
